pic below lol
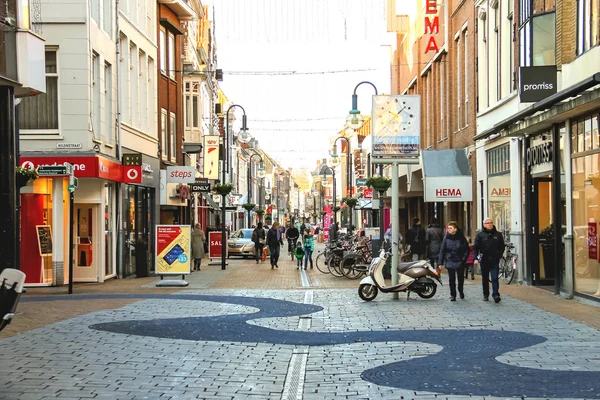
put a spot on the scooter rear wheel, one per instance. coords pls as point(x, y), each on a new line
point(429, 292)
point(367, 292)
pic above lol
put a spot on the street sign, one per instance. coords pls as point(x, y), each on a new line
point(55, 170)
point(361, 182)
point(197, 187)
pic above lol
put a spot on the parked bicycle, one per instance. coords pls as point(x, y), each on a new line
point(508, 264)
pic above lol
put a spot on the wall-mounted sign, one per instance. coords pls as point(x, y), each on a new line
point(432, 26)
point(539, 154)
point(211, 157)
point(396, 126)
point(361, 182)
point(536, 83)
point(199, 186)
point(172, 249)
point(368, 193)
point(448, 188)
point(499, 188)
point(68, 145)
point(179, 174)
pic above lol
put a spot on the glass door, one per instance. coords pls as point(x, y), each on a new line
point(85, 254)
point(543, 231)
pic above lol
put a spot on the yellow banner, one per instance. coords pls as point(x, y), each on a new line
point(173, 249)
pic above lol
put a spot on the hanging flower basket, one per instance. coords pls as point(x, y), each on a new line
point(223, 189)
point(260, 213)
point(351, 202)
point(24, 175)
point(323, 213)
point(248, 206)
point(336, 209)
point(314, 215)
point(379, 183)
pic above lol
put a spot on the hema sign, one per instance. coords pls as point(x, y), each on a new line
point(536, 83)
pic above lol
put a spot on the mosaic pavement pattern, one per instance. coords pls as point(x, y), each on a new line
point(238, 344)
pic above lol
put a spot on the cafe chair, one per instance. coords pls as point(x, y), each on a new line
point(11, 287)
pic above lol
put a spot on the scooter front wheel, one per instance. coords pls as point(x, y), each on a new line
point(429, 292)
point(367, 292)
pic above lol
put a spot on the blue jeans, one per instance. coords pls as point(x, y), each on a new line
point(307, 256)
point(274, 254)
point(299, 261)
point(488, 269)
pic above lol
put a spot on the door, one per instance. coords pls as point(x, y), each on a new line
point(85, 254)
point(542, 232)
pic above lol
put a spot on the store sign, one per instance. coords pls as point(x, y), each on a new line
point(539, 154)
point(592, 241)
point(179, 174)
point(173, 249)
point(448, 188)
point(499, 188)
point(396, 126)
point(83, 167)
point(211, 157)
point(432, 25)
point(215, 249)
point(368, 193)
point(361, 182)
point(201, 185)
point(132, 174)
point(536, 83)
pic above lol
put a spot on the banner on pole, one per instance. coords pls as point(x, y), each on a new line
point(211, 157)
point(396, 125)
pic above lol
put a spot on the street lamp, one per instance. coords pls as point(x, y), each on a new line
point(324, 182)
point(225, 158)
point(335, 160)
point(261, 174)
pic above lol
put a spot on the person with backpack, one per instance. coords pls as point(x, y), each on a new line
point(309, 247)
point(434, 239)
point(259, 240)
point(416, 238)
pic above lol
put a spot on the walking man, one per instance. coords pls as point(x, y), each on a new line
point(487, 251)
point(274, 241)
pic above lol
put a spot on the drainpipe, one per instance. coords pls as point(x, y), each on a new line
point(120, 267)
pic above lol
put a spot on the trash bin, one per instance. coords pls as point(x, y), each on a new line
point(321, 238)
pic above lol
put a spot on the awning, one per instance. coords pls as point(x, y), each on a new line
point(446, 175)
point(210, 201)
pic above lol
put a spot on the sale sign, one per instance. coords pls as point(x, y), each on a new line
point(173, 249)
point(592, 241)
point(214, 245)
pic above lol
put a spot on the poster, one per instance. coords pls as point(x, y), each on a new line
point(592, 241)
point(396, 125)
point(327, 219)
point(44, 236)
point(173, 249)
point(214, 245)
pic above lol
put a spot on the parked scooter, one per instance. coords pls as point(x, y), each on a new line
point(415, 276)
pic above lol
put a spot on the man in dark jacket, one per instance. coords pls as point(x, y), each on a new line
point(487, 251)
point(292, 236)
point(333, 230)
point(274, 241)
point(416, 239)
point(434, 238)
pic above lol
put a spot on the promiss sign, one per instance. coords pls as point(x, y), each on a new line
point(539, 154)
point(537, 83)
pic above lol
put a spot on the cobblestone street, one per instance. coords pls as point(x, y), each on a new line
point(229, 336)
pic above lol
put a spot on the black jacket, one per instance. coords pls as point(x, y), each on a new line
point(454, 251)
point(258, 233)
point(434, 240)
point(292, 233)
point(417, 239)
point(490, 244)
point(272, 238)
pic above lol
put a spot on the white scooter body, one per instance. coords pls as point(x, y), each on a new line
point(376, 269)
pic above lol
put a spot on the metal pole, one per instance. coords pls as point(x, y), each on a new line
point(381, 219)
point(348, 183)
point(71, 221)
point(249, 192)
point(395, 224)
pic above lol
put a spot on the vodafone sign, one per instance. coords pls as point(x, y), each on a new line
point(83, 167)
point(132, 173)
point(178, 174)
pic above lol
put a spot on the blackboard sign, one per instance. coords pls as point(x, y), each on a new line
point(44, 235)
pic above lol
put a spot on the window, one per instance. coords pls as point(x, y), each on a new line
point(150, 105)
point(173, 137)
point(537, 33)
point(163, 51)
point(587, 25)
point(108, 119)
point(107, 16)
point(544, 40)
point(428, 116)
point(458, 84)
point(94, 6)
point(40, 113)
point(171, 55)
point(498, 53)
point(133, 99)
point(498, 160)
point(584, 134)
point(164, 145)
point(466, 68)
point(143, 82)
point(123, 82)
point(96, 89)
point(442, 100)
point(192, 104)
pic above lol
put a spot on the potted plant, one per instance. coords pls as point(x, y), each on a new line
point(351, 202)
point(379, 183)
point(24, 175)
point(248, 206)
point(323, 213)
point(336, 209)
point(141, 257)
point(260, 213)
point(223, 188)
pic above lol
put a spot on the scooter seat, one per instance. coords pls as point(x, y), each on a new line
point(403, 266)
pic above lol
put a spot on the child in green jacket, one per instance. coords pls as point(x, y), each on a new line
point(309, 247)
point(299, 252)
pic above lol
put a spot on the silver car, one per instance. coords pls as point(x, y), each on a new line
point(241, 243)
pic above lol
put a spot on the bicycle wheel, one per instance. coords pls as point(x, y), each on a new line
point(347, 267)
point(334, 267)
point(321, 262)
point(501, 268)
point(509, 270)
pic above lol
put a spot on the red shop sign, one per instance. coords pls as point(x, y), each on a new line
point(132, 174)
point(214, 245)
point(83, 167)
point(592, 241)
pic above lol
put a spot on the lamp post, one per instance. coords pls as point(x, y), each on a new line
point(355, 121)
point(226, 159)
point(261, 174)
point(328, 168)
point(335, 160)
point(315, 193)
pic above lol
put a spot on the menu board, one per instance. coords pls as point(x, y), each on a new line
point(44, 235)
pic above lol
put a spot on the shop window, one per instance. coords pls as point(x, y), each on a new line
point(163, 134)
point(587, 25)
point(586, 219)
point(544, 40)
point(172, 137)
point(39, 114)
point(584, 134)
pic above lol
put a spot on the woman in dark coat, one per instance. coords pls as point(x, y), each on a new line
point(453, 255)
point(259, 239)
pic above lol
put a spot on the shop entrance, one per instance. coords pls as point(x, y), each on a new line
point(541, 236)
point(85, 251)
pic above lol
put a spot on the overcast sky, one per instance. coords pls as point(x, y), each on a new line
point(285, 62)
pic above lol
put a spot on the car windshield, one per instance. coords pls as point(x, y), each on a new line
point(243, 234)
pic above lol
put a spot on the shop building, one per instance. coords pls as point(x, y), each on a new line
point(550, 143)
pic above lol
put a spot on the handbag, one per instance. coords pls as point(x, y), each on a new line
point(262, 241)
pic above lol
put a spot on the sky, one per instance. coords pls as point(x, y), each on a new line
point(293, 66)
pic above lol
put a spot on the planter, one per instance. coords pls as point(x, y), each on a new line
point(224, 189)
point(381, 184)
point(21, 179)
point(141, 261)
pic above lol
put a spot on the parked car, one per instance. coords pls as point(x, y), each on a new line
point(241, 244)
